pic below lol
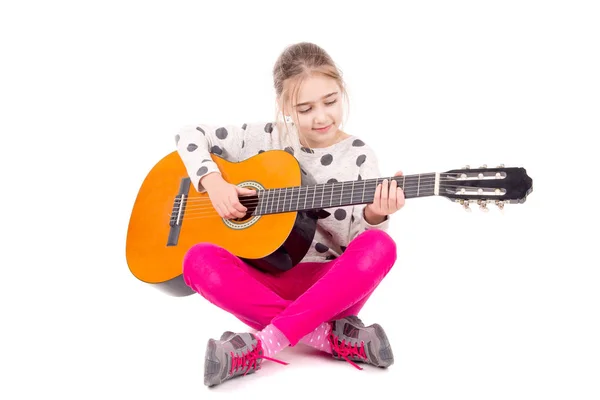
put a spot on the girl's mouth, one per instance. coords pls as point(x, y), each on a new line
point(323, 130)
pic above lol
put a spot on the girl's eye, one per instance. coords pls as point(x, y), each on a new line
point(308, 109)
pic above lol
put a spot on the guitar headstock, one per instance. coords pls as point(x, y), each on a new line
point(484, 185)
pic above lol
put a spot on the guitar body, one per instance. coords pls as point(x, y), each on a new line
point(160, 232)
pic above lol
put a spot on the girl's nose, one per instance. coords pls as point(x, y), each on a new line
point(320, 115)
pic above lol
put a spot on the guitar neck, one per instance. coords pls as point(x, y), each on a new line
point(340, 194)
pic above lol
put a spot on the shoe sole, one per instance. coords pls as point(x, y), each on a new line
point(386, 356)
point(211, 356)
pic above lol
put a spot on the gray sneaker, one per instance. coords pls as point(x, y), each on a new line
point(233, 355)
point(352, 341)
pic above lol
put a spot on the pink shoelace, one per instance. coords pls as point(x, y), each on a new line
point(347, 350)
point(249, 359)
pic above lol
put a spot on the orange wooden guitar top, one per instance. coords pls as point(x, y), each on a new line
point(148, 256)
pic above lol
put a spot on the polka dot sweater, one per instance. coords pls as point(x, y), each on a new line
point(348, 160)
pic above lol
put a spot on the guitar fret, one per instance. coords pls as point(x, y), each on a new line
point(297, 197)
point(270, 203)
point(341, 194)
point(363, 193)
point(285, 198)
point(281, 191)
point(314, 193)
point(352, 193)
point(298, 200)
point(331, 198)
point(322, 194)
point(418, 185)
point(306, 197)
point(279, 206)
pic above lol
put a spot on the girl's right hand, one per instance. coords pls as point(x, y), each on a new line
point(225, 196)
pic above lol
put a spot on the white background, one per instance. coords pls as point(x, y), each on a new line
point(478, 306)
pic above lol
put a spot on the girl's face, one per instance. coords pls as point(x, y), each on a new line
point(317, 111)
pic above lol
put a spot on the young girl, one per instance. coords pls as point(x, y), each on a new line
point(317, 301)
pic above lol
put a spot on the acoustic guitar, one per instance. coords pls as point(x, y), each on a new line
point(169, 215)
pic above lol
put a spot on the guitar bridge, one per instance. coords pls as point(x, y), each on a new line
point(178, 211)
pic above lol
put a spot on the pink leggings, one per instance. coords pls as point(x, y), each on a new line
point(296, 301)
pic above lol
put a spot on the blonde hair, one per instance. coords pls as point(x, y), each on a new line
point(296, 63)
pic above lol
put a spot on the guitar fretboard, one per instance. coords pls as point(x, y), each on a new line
point(338, 194)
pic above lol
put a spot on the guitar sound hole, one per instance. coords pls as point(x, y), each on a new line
point(250, 203)
point(243, 219)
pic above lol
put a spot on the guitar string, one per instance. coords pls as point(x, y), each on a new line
point(296, 197)
point(325, 187)
point(211, 212)
point(337, 188)
point(293, 196)
point(283, 205)
point(214, 214)
point(252, 200)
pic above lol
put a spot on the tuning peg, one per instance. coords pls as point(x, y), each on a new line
point(501, 166)
point(483, 205)
point(465, 204)
point(500, 204)
point(467, 167)
point(483, 166)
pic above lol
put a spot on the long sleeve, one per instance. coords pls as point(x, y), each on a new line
point(369, 169)
point(195, 143)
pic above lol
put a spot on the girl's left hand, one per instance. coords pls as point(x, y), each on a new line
point(389, 198)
